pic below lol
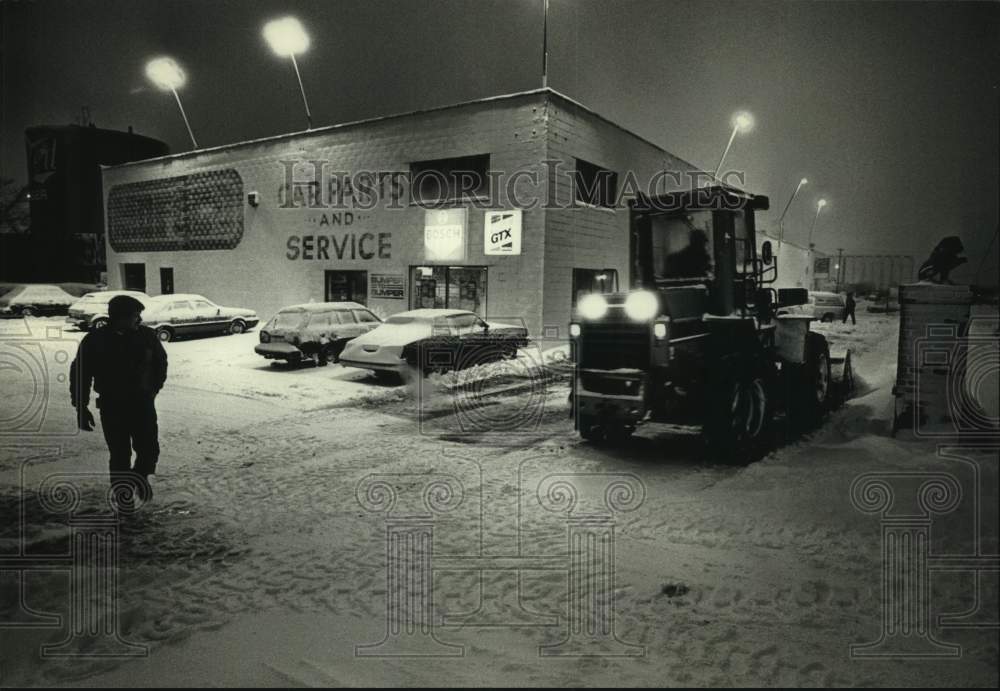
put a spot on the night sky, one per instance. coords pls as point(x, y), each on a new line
point(890, 109)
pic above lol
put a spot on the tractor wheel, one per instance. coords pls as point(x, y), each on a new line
point(811, 385)
point(740, 408)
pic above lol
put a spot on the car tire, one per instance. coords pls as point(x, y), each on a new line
point(325, 355)
point(99, 323)
point(165, 334)
point(27, 311)
point(589, 429)
point(388, 378)
point(827, 318)
point(238, 326)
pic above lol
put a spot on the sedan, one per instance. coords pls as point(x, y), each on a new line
point(316, 331)
point(172, 316)
point(428, 340)
point(28, 300)
point(91, 310)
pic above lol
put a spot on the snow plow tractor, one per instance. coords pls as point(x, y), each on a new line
point(697, 341)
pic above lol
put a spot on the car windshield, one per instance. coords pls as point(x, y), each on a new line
point(289, 319)
point(405, 319)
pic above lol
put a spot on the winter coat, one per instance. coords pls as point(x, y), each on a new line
point(125, 367)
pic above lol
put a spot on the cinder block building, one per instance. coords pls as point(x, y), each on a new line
point(509, 207)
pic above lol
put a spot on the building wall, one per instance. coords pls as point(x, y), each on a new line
point(793, 262)
point(538, 135)
point(258, 272)
point(583, 236)
point(880, 271)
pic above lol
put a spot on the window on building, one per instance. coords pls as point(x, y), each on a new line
point(449, 287)
point(450, 179)
point(595, 185)
point(594, 281)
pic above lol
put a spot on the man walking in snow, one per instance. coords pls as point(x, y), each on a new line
point(849, 306)
point(127, 364)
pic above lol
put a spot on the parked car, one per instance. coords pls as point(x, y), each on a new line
point(91, 310)
point(172, 316)
point(427, 340)
point(35, 299)
point(822, 305)
point(315, 331)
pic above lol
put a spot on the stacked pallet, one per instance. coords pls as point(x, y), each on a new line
point(931, 359)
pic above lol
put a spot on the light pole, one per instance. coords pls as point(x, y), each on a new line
point(819, 207)
point(742, 122)
point(781, 228)
point(287, 38)
point(166, 74)
point(812, 251)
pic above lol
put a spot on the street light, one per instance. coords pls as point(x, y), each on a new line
point(167, 75)
point(819, 207)
point(781, 229)
point(287, 39)
point(742, 122)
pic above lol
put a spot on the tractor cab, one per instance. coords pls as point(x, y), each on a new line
point(696, 249)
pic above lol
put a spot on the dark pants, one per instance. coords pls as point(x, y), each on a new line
point(850, 313)
point(129, 426)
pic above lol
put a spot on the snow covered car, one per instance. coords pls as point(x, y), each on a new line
point(316, 331)
point(91, 310)
point(172, 316)
point(31, 299)
point(427, 340)
point(822, 305)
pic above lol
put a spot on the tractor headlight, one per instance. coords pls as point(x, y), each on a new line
point(574, 330)
point(642, 306)
point(592, 306)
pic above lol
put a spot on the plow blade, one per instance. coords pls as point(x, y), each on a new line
point(842, 374)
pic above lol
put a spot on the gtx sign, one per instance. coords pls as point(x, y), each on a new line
point(502, 232)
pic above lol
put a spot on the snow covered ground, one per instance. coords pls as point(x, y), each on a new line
point(261, 562)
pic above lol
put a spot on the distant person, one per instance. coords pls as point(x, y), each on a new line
point(943, 260)
point(128, 366)
point(849, 306)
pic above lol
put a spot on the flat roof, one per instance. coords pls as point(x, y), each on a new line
point(367, 121)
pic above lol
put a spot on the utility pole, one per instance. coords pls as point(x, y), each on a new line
point(840, 266)
point(545, 44)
